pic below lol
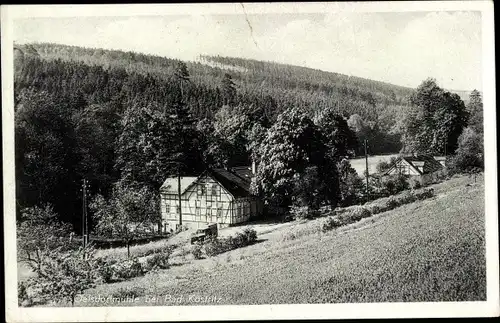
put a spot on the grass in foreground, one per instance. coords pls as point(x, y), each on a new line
point(432, 250)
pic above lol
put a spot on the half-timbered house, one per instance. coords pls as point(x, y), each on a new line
point(219, 196)
point(422, 168)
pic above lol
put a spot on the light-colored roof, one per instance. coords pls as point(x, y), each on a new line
point(170, 184)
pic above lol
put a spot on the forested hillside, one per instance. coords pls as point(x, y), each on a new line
point(129, 119)
point(257, 82)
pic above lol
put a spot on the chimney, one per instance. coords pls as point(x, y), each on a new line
point(254, 170)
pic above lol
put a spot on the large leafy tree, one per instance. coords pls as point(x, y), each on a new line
point(97, 128)
point(154, 141)
point(45, 152)
point(475, 109)
point(229, 139)
point(340, 140)
point(290, 146)
point(39, 232)
point(351, 186)
point(435, 121)
point(129, 212)
point(469, 156)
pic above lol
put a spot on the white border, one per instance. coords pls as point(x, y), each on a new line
point(255, 312)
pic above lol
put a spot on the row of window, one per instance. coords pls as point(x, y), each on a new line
point(214, 211)
point(202, 189)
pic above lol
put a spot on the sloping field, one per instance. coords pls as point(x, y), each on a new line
point(359, 164)
point(431, 250)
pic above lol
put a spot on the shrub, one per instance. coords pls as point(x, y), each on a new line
point(215, 246)
point(133, 292)
point(128, 269)
point(415, 184)
point(105, 269)
point(406, 197)
point(158, 261)
point(251, 235)
point(391, 203)
point(354, 214)
point(196, 251)
point(374, 208)
point(22, 294)
point(424, 194)
point(330, 223)
point(302, 212)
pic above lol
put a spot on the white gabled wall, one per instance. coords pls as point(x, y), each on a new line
point(206, 201)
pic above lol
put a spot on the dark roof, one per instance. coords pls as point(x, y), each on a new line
point(430, 164)
point(244, 172)
point(232, 182)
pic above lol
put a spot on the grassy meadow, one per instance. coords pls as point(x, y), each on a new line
point(359, 164)
point(430, 250)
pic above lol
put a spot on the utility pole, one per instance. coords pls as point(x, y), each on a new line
point(179, 193)
point(367, 173)
point(84, 213)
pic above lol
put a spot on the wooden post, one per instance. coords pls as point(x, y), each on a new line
point(367, 173)
point(83, 212)
point(179, 192)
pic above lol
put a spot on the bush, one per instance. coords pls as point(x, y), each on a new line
point(415, 184)
point(393, 184)
point(406, 197)
point(196, 251)
point(330, 223)
point(374, 208)
point(158, 261)
point(391, 203)
point(216, 246)
point(424, 194)
point(302, 212)
point(354, 214)
point(251, 236)
point(128, 269)
point(22, 294)
point(105, 269)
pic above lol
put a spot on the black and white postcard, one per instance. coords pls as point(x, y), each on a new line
point(249, 161)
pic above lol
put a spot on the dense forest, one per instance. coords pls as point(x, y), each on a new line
point(132, 119)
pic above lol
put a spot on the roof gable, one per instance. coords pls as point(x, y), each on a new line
point(170, 185)
point(422, 164)
point(232, 182)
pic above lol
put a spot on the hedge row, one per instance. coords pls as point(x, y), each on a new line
point(215, 246)
point(111, 270)
point(355, 213)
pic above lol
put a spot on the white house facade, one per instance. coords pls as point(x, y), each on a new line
point(219, 196)
point(422, 168)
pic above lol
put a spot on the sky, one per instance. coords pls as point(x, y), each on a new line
point(400, 48)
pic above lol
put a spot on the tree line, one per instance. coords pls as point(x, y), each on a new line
point(125, 124)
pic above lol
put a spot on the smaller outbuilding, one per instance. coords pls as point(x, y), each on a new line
point(422, 168)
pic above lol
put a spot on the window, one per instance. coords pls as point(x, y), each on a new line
point(201, 189)
point(209, 204)
point(167, 208)
point(214, 189)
